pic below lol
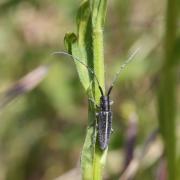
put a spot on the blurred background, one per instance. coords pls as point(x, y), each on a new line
point(42, 132)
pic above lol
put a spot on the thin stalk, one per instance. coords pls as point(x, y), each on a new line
point(167, 90)
point(98, 18)
point(98, 60)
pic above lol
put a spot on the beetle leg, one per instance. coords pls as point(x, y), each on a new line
point(95, 122)
point(111, 102)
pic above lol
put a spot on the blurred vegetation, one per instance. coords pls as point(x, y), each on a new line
point(42, 132)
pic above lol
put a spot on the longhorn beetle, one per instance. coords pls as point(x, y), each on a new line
point(104, 114)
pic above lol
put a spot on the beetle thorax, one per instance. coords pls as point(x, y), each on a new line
point(104, 103)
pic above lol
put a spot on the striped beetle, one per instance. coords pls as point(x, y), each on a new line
point(104, 114)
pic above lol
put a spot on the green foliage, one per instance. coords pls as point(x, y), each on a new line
point(42, 132)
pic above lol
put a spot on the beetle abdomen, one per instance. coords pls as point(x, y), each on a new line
point(104, 128)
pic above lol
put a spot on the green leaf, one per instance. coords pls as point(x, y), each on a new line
point(72, 46)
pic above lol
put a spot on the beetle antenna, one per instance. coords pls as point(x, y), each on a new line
point(122, 67)
point(78, 60)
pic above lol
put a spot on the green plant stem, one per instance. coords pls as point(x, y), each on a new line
point(98, 18)
point(98, 60)
point(167, 91)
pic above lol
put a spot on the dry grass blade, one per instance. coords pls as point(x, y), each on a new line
point(72, 174)
point(24, 85)
point(131, 136)
point(148, 149)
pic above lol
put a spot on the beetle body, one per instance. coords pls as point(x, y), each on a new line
point(104, 117)
point(104, 122)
